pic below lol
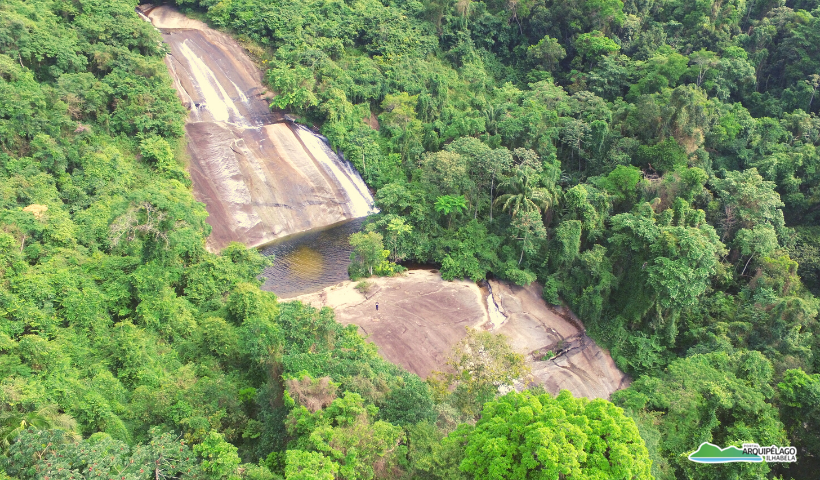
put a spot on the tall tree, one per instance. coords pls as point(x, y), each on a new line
point(526, 436)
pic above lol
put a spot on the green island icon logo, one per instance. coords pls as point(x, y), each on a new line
point(750, 453)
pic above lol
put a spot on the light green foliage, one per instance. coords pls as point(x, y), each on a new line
point(592, 45)
point(219, 458)
point(665, 156)
point(256, 472)
point(14, 422)
point(158, 153)
point(293, 87)
point(547, 52)
point(531, 117)
point(106, 277)
point(302, 465)
point(692, 182)
point(369, 256)
point(522, 436)
point(588, 205)
point(248, 302)
point(524, 193)
point(368, 251)
point(758, 241)
point(400, 116)
point(341, 438)
point(568, 237)
point(623, 182)
point(400, 110)
point(550, 292)
point(747, 201)
point(529, 229)
point(317, 346)
point(398, 232)
point(448, 204)
point(479, 365)
point(677, 257)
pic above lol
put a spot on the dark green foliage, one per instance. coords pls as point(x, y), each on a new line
point(717, 397)
point(800, 394)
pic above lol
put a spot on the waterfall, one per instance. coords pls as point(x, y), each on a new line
point(495, 311)
point(261, 177)
point(360, 199)
point(217, 100)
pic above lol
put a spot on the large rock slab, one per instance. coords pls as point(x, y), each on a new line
point(421, 317)
point(260, 176)
point(534, 328)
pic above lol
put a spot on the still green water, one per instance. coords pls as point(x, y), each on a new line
point(310, 261)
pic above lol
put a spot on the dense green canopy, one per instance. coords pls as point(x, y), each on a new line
point(653, 163)
point(523, 436)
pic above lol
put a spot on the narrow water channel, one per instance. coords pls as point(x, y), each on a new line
point(309, 261)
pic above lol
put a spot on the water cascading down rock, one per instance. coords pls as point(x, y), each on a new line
point(260, 176)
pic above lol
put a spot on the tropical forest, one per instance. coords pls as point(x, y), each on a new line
point(650, 169)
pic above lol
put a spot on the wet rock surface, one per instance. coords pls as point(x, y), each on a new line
point(421, 317)
point(260, 176)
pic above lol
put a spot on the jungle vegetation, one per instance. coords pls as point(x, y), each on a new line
point(652, 163)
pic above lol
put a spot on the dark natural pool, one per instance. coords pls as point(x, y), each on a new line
point(309, 261)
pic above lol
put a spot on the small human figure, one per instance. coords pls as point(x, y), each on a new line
point(377, 306)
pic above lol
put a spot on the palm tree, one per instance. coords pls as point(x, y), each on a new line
point(523, 194)
point(13, 422)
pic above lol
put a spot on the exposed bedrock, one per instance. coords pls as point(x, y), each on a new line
point(540, 331)
point(261, 177)
point(421, 317)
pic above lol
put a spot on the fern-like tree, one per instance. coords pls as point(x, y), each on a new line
point(449, 204)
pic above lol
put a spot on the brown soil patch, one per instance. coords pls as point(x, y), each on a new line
point(37, 210)
point(373, 122)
